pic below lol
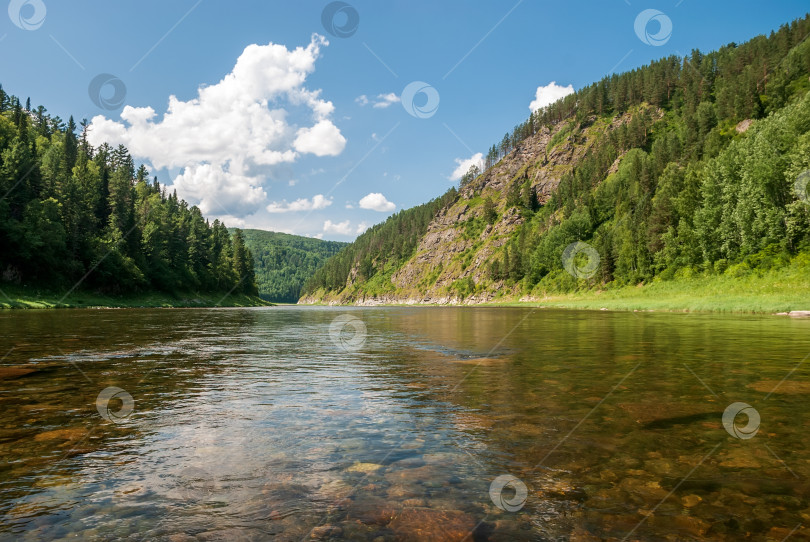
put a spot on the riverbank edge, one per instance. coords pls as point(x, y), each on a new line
point(20, 298)
point(580, 304)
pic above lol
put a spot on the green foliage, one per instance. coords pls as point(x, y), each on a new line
point(73, 216)
point(561, 134)
point(513, 194)
point(740, 290)
point(463, 287)
point(490, 213)
point(690, 193)
point(470, 176)
point(474, 226)
point(284, 262)
point(528, 197)
point(656, 216)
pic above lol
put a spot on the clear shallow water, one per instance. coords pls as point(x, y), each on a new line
point(251, 424)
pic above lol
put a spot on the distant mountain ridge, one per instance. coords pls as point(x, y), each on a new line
point(684, 167)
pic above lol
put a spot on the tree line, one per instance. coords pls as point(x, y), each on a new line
point(71, 214)
point(747, 81)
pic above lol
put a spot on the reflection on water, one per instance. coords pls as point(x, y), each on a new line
point(433, 423)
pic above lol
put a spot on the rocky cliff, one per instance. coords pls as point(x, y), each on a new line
point(452, 263)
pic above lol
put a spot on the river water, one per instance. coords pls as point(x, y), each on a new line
point(301, 423)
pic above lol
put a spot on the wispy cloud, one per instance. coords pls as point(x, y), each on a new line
point(385, 100)
point(381, 101)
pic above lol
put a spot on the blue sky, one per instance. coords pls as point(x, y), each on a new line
point(292, 141)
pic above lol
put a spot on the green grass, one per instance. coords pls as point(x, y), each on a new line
point(754, 291)
point(738, 290)
point(781, 290)
point(15, 297)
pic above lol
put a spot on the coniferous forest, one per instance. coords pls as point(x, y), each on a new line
point(74, 216)
point(695, 191)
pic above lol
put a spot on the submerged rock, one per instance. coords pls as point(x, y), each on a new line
point(73, 433)
point(325, 531)
point(740, 458)
point(9, 373)
point(428, 524)
point(365, 468)
point(691, 500)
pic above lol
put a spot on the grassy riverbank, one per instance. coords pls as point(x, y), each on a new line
point(29, 298)
point(782, 290)
point(740, 289)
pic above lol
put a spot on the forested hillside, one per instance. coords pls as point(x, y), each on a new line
point(72, 216)
point(284, 262)
point(385, 245)
point(686, 167)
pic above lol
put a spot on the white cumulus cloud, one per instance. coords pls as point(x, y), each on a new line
point(340, 228)
point(463, 165)
point(323, 139)
point(227, 139)
point(220, 192)
point(549, 94)
point(317, 202)
point(376, 202)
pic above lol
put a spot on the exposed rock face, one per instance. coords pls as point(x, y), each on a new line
point(743, 126)
point(447, 253)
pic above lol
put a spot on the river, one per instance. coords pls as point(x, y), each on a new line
point(424, 423)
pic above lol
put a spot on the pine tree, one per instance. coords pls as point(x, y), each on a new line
point(489, 212)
